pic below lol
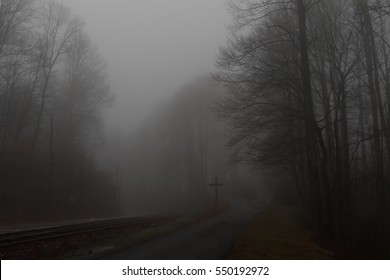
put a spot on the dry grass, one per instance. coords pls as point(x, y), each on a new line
point(277, 234)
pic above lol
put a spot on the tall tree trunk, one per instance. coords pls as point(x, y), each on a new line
point(345, 184)
point(40, 114)
point(377, 148)
point(27, 109)
point(310, 125)
point(364, 165)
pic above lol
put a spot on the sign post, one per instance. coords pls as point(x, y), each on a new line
point(216, 185)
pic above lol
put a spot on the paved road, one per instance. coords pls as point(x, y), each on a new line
point(209, 239)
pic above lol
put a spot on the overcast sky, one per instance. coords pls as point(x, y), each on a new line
point(152, 47)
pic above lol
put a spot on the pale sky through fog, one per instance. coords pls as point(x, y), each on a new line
point(151, 48)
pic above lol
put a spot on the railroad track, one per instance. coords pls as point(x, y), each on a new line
point(39, 234)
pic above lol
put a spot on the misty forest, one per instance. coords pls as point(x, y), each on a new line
point(279, 144)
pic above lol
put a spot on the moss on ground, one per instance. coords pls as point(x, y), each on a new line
point(277, 233)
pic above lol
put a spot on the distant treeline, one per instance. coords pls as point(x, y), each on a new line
point(179, 150)
point(52, 89)
point(309, 92)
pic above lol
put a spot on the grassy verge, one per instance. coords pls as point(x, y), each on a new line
point(277, 233)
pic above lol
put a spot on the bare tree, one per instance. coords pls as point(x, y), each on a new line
point(299, 74)
point(56, 25)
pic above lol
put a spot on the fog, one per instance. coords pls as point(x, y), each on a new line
point(151, 49)
point(114, 92)
point(134, 108)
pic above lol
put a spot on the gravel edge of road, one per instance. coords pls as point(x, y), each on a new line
point(93, 245)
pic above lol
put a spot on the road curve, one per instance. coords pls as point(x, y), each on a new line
point(211, 239)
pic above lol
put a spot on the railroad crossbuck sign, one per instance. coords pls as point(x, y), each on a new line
point(216, 185)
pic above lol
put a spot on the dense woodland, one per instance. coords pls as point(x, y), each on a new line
point(302, 87)
point(309, 93)
point(52, 90)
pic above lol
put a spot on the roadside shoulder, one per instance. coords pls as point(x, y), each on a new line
point(277, 233)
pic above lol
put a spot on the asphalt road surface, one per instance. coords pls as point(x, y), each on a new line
point(211, 239)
